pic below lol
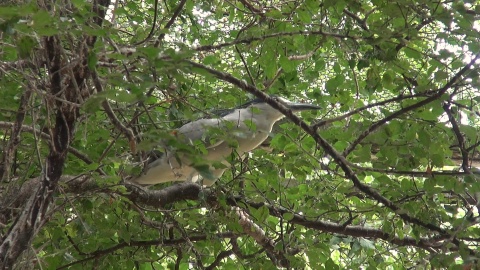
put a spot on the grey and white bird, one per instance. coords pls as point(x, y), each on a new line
point(238, 131)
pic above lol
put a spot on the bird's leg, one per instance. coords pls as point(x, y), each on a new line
point(172, 167)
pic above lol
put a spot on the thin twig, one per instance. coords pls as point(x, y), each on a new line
point(281, 34)
point(170, 22)
point(417, 105)
point(111, 115)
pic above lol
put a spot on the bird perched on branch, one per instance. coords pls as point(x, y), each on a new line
point(206, 144)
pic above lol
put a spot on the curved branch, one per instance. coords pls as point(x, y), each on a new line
point(222, 255)
point(338, 158)
point(154, 24)
point(376, 104)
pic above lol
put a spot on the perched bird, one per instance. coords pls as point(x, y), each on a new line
point(239, 130)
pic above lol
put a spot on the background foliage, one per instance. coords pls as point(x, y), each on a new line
point(384, 177)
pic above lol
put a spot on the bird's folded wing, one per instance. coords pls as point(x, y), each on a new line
point(201, 130)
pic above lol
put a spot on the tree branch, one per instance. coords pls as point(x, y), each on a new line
point(33, 215)
point(222, 255)
point(258, 234)
point(460, 139)
point(274, 35)
point(417, 105)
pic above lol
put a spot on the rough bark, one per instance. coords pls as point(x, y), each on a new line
point(67, 84)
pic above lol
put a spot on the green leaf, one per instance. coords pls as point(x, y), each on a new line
point(438, 160)
point(291, 147)
point(362, 63)
point(362, 154)
point(412, 53)
point(366, 244)
point(25, 46)
point(152, 52)
point(210, 60)
point(441, 75)
point(387, 78)
point(204, 171)
point(424, 138)
point(304, 16)
point(288, 216)
point(330, 264)
point(260, 214)
point(286, 64)
point(92, 60)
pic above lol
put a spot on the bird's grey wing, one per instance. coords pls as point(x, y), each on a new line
point(201, 130)
point(191, 132)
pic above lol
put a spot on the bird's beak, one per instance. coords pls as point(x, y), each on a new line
point(296, 107)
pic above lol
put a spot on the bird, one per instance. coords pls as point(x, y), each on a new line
point(234, 131)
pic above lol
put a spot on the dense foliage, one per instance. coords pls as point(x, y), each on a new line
point(383, 177)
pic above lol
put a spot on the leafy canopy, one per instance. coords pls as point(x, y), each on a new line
point(383, 177)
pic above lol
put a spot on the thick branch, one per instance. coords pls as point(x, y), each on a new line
point(192, 191)
point(33, 215)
